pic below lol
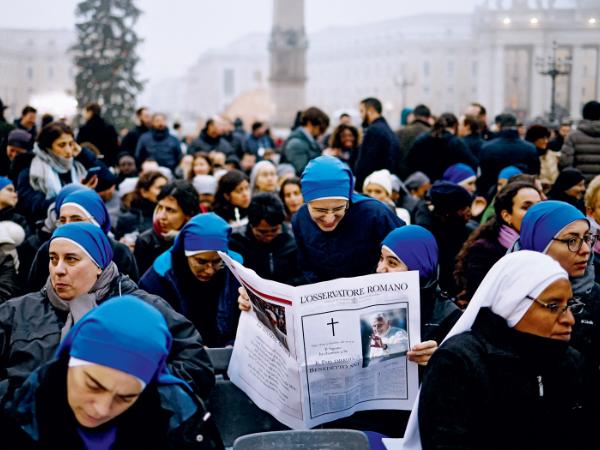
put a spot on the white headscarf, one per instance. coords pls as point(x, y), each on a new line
point(504, 290)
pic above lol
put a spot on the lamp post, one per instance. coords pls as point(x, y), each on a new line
point(553, 66)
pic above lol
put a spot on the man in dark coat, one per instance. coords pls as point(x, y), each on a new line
point(159, 145)
point(27, 123)
point(581, 148)
point(100, 133)
point(508, 149)
point(211, 138)
point(380, 148)
point(131, 139)
point(409, 134)
point(301, 145)
point(266, 244)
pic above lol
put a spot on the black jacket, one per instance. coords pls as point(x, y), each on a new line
point(433, 155)
point(148, 247)
point(160, 145)
point(9, 281)
point(277, 260)
point(103, 135)
point(30, 330)
point(474, 142)
point(129, 142)
point(204, 143)
point(380, 149)
point(508, 149)
point(39, 271)
point(496, 388)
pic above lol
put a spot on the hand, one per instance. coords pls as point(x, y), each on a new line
point(421, 353)
point(377, 342)
point(243, 300)
point(92, 182)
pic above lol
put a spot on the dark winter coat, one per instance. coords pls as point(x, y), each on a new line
point(298, 150)
point(39, 271)
point(40, 418)
point(508, 149)
point(210, 306)
point(581, 149)
point(379, 149)
point(433, 155)
point(129, 142)
point(352, 249)
point(407, 137)
point(205, 143)
point(148, 247)
point(474, 142)
point(161, 146)
point(277, 260)
point(12, 215)
point(104, 137)
point(137, 218)
point(495, 388)
point(30, 329)
point(10, 286)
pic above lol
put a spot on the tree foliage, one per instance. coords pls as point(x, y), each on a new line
point(106, 57)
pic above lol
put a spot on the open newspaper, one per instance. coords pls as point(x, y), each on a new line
point(315, 353)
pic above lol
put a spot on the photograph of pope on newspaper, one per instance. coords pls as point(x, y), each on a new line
point(383, 335)
point(270, 315)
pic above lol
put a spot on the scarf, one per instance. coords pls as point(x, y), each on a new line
point(79, 306)
point(45, 169)
point(507, 236)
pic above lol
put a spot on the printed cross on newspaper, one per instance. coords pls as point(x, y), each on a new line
point(332, 323)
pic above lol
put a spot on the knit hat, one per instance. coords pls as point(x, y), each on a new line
point(448, 197)
point(381, 178)
point(416, 180)
point(205, 184)
point(20, 139)
point(92, 206)
point(566, 179)
point(90, 239)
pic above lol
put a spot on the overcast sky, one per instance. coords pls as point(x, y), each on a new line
point(176, 32)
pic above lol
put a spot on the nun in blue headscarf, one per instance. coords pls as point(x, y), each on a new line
point(192, 277)
point(338, 232)
point(462, 175)
point(81, 204)
point(83, 276)
point(109, 387)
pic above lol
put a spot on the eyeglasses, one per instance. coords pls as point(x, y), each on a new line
point(216, 264)
point(573, 305)
point(324, 211)
point(576, 242)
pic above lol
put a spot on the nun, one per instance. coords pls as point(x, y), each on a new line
point(108, 387)
point(338, 232)
point(462, 175)
point(192, 277)
point(83, 276)
point(82, 205)
point(505, 373)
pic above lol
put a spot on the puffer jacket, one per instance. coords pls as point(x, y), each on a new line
point(30, 329)
point(582, 149)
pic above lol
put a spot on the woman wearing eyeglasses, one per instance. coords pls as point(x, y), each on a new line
point(338, 232)
point(192, 278)
point(505, 377)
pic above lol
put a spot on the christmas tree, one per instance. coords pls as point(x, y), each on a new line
point(105, 56)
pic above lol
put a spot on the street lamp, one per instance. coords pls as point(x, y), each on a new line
point(553, 67)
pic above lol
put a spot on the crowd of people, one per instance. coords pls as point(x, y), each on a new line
point(112, 287)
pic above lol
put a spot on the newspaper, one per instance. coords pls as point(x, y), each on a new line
point(316, 353)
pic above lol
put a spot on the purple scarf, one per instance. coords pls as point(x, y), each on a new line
point(507, 236)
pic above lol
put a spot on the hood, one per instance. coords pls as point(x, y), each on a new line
point(590, 127)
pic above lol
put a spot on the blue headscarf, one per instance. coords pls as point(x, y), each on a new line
point(508, 172)
point(91, 203)
point(90, 239)
point(457, 173)
point(204, 232)
point(126, 334)
point(5, 182)
point(404, 116)
point(543, 221)
point(327, 176)
point(416, 247)
point(64, 192)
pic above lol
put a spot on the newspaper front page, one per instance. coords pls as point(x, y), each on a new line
point(315, 353)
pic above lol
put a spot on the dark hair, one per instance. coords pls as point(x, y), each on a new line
point(293, 180)
point(446, 120)
point(422, 111)
point(371, 102)
point(227, 184)
point(145, 182)
point(185, 194)
point(342, 115)
point(315, 117)
point(473, 123)
point(266, 206)
point(465, 280)
point(591, 110)
point(28, 109)
point(140, 110)
point(506, 120)
point(336, 136)
point(482, 110)
point(52, 132)
point(525, 177)
point(256, 126)
point(535, 132)
point(208, 123)
point(94, 108)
